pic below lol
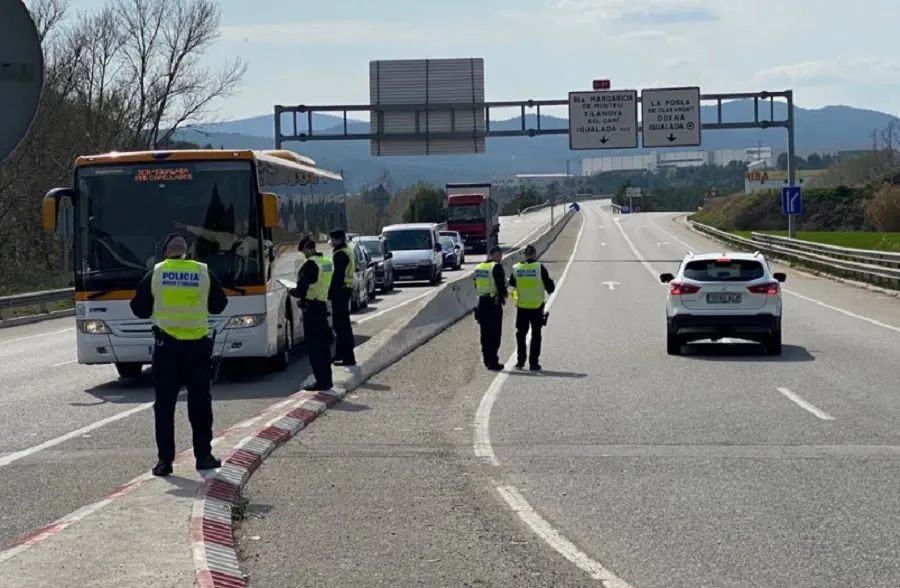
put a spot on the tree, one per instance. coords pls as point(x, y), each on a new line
point(884, 210)
point(814, 161)
point(362, 217)
point(162, 43)
point(93, 101)
point(427, 206)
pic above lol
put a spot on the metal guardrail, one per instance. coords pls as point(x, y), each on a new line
point(40, 299)
point(881, 268)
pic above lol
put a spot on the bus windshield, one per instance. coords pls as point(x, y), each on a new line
point(124, 213)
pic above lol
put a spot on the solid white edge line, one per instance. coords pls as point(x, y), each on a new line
point(35, 336)
point(805, 405)
point(512, 497)
point(860, 317)
point(866, 319)
point(634, 250)
point(482, 443)
point(552, 537)
point(16, 456)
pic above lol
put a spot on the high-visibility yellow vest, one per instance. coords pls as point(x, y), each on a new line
point(351, 267)
point(318, 291)
point(180, 290)
point(529, 286)
point(484, 279)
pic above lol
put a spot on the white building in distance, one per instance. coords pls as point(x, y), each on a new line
point(667, 159)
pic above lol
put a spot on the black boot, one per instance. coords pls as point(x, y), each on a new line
point(162, 468)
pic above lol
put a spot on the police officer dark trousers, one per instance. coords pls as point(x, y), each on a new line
point(490, 284)
point(312, 290)
point(531, 280)
point(179, 295)
point(340, 294)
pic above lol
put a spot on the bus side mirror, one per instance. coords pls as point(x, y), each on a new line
point(55, 200)
point(48, 214)
point(270, 210)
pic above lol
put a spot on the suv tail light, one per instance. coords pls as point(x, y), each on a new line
point(769, 289)
point(679, 288)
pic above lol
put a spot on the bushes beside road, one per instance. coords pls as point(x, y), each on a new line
point(827, 209)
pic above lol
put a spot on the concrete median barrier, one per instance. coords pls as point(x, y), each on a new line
point(216, 561)
point(434, 314)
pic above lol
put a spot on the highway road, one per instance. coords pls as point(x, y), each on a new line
point(619, 464)
point(70, 434)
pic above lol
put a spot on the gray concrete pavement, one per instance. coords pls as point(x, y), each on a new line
point(669, 471)
point(47, 398)
point(385, 490)
point(695, 470)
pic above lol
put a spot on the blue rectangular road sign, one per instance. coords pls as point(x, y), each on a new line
point(791, 200)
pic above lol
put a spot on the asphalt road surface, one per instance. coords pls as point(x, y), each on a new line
point(723, 467)
point(70, 434)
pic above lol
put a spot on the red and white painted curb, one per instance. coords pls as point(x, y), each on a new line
point(216, 561)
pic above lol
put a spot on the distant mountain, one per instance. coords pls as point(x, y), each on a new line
point(827, 129)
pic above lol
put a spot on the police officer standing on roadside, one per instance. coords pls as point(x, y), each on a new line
point(179, 294)
point(531, 280)
point(340, 295)
point(313, 284)
point(490, 284)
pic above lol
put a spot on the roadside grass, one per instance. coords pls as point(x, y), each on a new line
point(856, 240)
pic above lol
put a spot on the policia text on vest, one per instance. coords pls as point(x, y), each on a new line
point(179, 295)
point(531, 281)
point(490, 284)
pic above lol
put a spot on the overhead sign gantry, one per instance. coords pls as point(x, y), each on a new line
point(431, 111)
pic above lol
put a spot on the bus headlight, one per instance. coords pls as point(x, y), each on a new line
point(425, 262)
point(94, 327)
point(245, 321)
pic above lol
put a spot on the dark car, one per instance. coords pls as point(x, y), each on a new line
point(458, 239)
point(452, 253)
point(380, 253)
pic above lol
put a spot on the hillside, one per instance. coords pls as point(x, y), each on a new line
point(827, 129)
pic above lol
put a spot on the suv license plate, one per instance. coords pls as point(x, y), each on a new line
point(724, 298)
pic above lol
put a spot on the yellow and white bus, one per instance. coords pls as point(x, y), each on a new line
point(242, 213)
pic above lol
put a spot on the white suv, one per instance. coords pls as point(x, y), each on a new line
point(724, 295)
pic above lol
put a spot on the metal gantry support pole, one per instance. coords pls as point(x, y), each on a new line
point(277, 127)
point(792, 168)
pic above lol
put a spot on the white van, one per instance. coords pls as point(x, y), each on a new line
point(417, 250)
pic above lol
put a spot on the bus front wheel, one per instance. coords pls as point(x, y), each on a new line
point(282, 358)
point(130, 371)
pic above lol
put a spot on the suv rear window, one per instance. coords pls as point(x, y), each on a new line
point(722, 270)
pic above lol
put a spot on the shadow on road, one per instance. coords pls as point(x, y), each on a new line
point(548, 374)
point(749, 352)
point(347, 406)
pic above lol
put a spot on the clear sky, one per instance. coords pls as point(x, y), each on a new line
point(317, 52)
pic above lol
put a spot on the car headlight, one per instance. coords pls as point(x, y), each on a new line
point(245, 321)
point(380, 264)
point(94, 327)
point(425, 262)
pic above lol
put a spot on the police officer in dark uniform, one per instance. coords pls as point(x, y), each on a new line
point(531, 280)
point(179, 295)
point(313, 285)
point(340, 295)
point(490, 285)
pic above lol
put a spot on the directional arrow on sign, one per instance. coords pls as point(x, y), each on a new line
point(604, 140)
point(671, 137)
point(612, 285)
